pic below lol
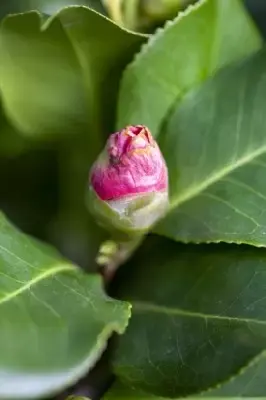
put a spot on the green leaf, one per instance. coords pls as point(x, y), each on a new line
point(41, 80)
point(198, 317)
point(54, 74)
point(11, 142)
point(103, 50)
point(215, 146)
point(204, 38)
point(55, 320)
point(120, 391)
point(52, 6)
point(250, 382)
point(77, 398)
point(46, 6)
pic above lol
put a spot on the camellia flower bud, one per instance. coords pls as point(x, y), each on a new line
point(129, 182)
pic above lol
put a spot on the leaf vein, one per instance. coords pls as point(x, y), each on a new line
point(215, 177)
point(155, 308)
point(46, 274)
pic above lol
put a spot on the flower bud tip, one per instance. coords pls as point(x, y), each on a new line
point(130, 176)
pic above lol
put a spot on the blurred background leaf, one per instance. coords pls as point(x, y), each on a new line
point(77, 398)
point(48, 7)
point(12, 143)
point(144, 15)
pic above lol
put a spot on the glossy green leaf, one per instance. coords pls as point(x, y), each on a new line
point(198, 318)
point(250, 382)
point(55, 320)
point(54, 73)
point(120, 391)
point(215, 146)
point(206, 37)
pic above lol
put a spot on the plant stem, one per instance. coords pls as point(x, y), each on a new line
point(112, 254)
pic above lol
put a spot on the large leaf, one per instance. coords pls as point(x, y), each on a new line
point(248, 384)
point(54, 73)
point(215, 146)
point(46, 6)
point(242, 385)
point(198, 317)
point(204, 38)
point(55, 320)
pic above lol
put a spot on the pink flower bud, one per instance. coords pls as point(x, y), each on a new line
point(130, 176)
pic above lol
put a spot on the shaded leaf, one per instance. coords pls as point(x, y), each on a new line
point(120, 391)
point(198, 317)
point(215, 146)
point(41, 81)
point(204, 38)
point(11, 142)
point(29, 188)
point(54, 319)
point(46, 6)
point(250, 382)
point(103, 50)
point(51, 72)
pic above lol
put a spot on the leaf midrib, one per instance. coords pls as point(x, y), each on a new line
point(44, 275)
point(140, 306)
point(214, 178)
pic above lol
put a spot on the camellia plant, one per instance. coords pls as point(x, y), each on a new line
point(133, 191)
